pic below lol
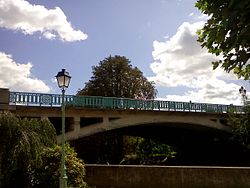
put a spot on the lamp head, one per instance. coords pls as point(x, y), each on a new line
point(63, 79)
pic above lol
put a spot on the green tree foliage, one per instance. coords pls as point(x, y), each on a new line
point(227, 33)
point(48, 174)
point(29, 156)
point(22, 141)
point(115, 77)
point(146, 151)
point(241, 126)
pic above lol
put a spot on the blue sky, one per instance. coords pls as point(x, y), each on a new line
point(40, 37)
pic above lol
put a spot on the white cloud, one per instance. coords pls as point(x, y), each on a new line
point(18, 77)
point(28, 18)
point(180, 61)
point(49, 35)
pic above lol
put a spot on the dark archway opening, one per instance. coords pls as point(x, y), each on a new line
point(194, 145)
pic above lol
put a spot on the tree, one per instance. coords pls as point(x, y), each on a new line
point(29, 156)
point(22, 142)
point(227, 33)
point(115, 77)
point(241, 126)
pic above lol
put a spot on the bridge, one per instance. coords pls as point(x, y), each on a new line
point(199, 130)
point(88, 115)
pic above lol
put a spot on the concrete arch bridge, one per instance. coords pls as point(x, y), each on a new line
point(88, 115)
point(190, 126)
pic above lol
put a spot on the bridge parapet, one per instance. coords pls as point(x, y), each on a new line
point(37, 99)
point(43, 99)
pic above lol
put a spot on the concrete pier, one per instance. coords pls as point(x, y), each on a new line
point(4, 99)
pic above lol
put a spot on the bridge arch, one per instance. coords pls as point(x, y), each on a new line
point(125, 119)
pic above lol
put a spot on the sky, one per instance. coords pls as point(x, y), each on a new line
point(38, 38)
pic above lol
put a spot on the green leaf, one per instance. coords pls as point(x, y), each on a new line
point(215, 64)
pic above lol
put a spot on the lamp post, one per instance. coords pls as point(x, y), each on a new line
point(63, 80)
point(243, 93)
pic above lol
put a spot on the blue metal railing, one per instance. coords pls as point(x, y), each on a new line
point(40, 99)
point(37, 99)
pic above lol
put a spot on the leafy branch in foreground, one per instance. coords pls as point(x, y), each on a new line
point(227, 33)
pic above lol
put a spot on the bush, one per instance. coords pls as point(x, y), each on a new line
point(48, 174)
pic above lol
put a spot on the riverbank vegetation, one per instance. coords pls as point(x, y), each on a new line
point(30, 156)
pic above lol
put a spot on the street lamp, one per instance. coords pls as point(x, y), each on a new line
point(243, 93)
point(63, 80)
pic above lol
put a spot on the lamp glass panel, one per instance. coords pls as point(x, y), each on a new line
point(60, 81)
point(66, 81)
